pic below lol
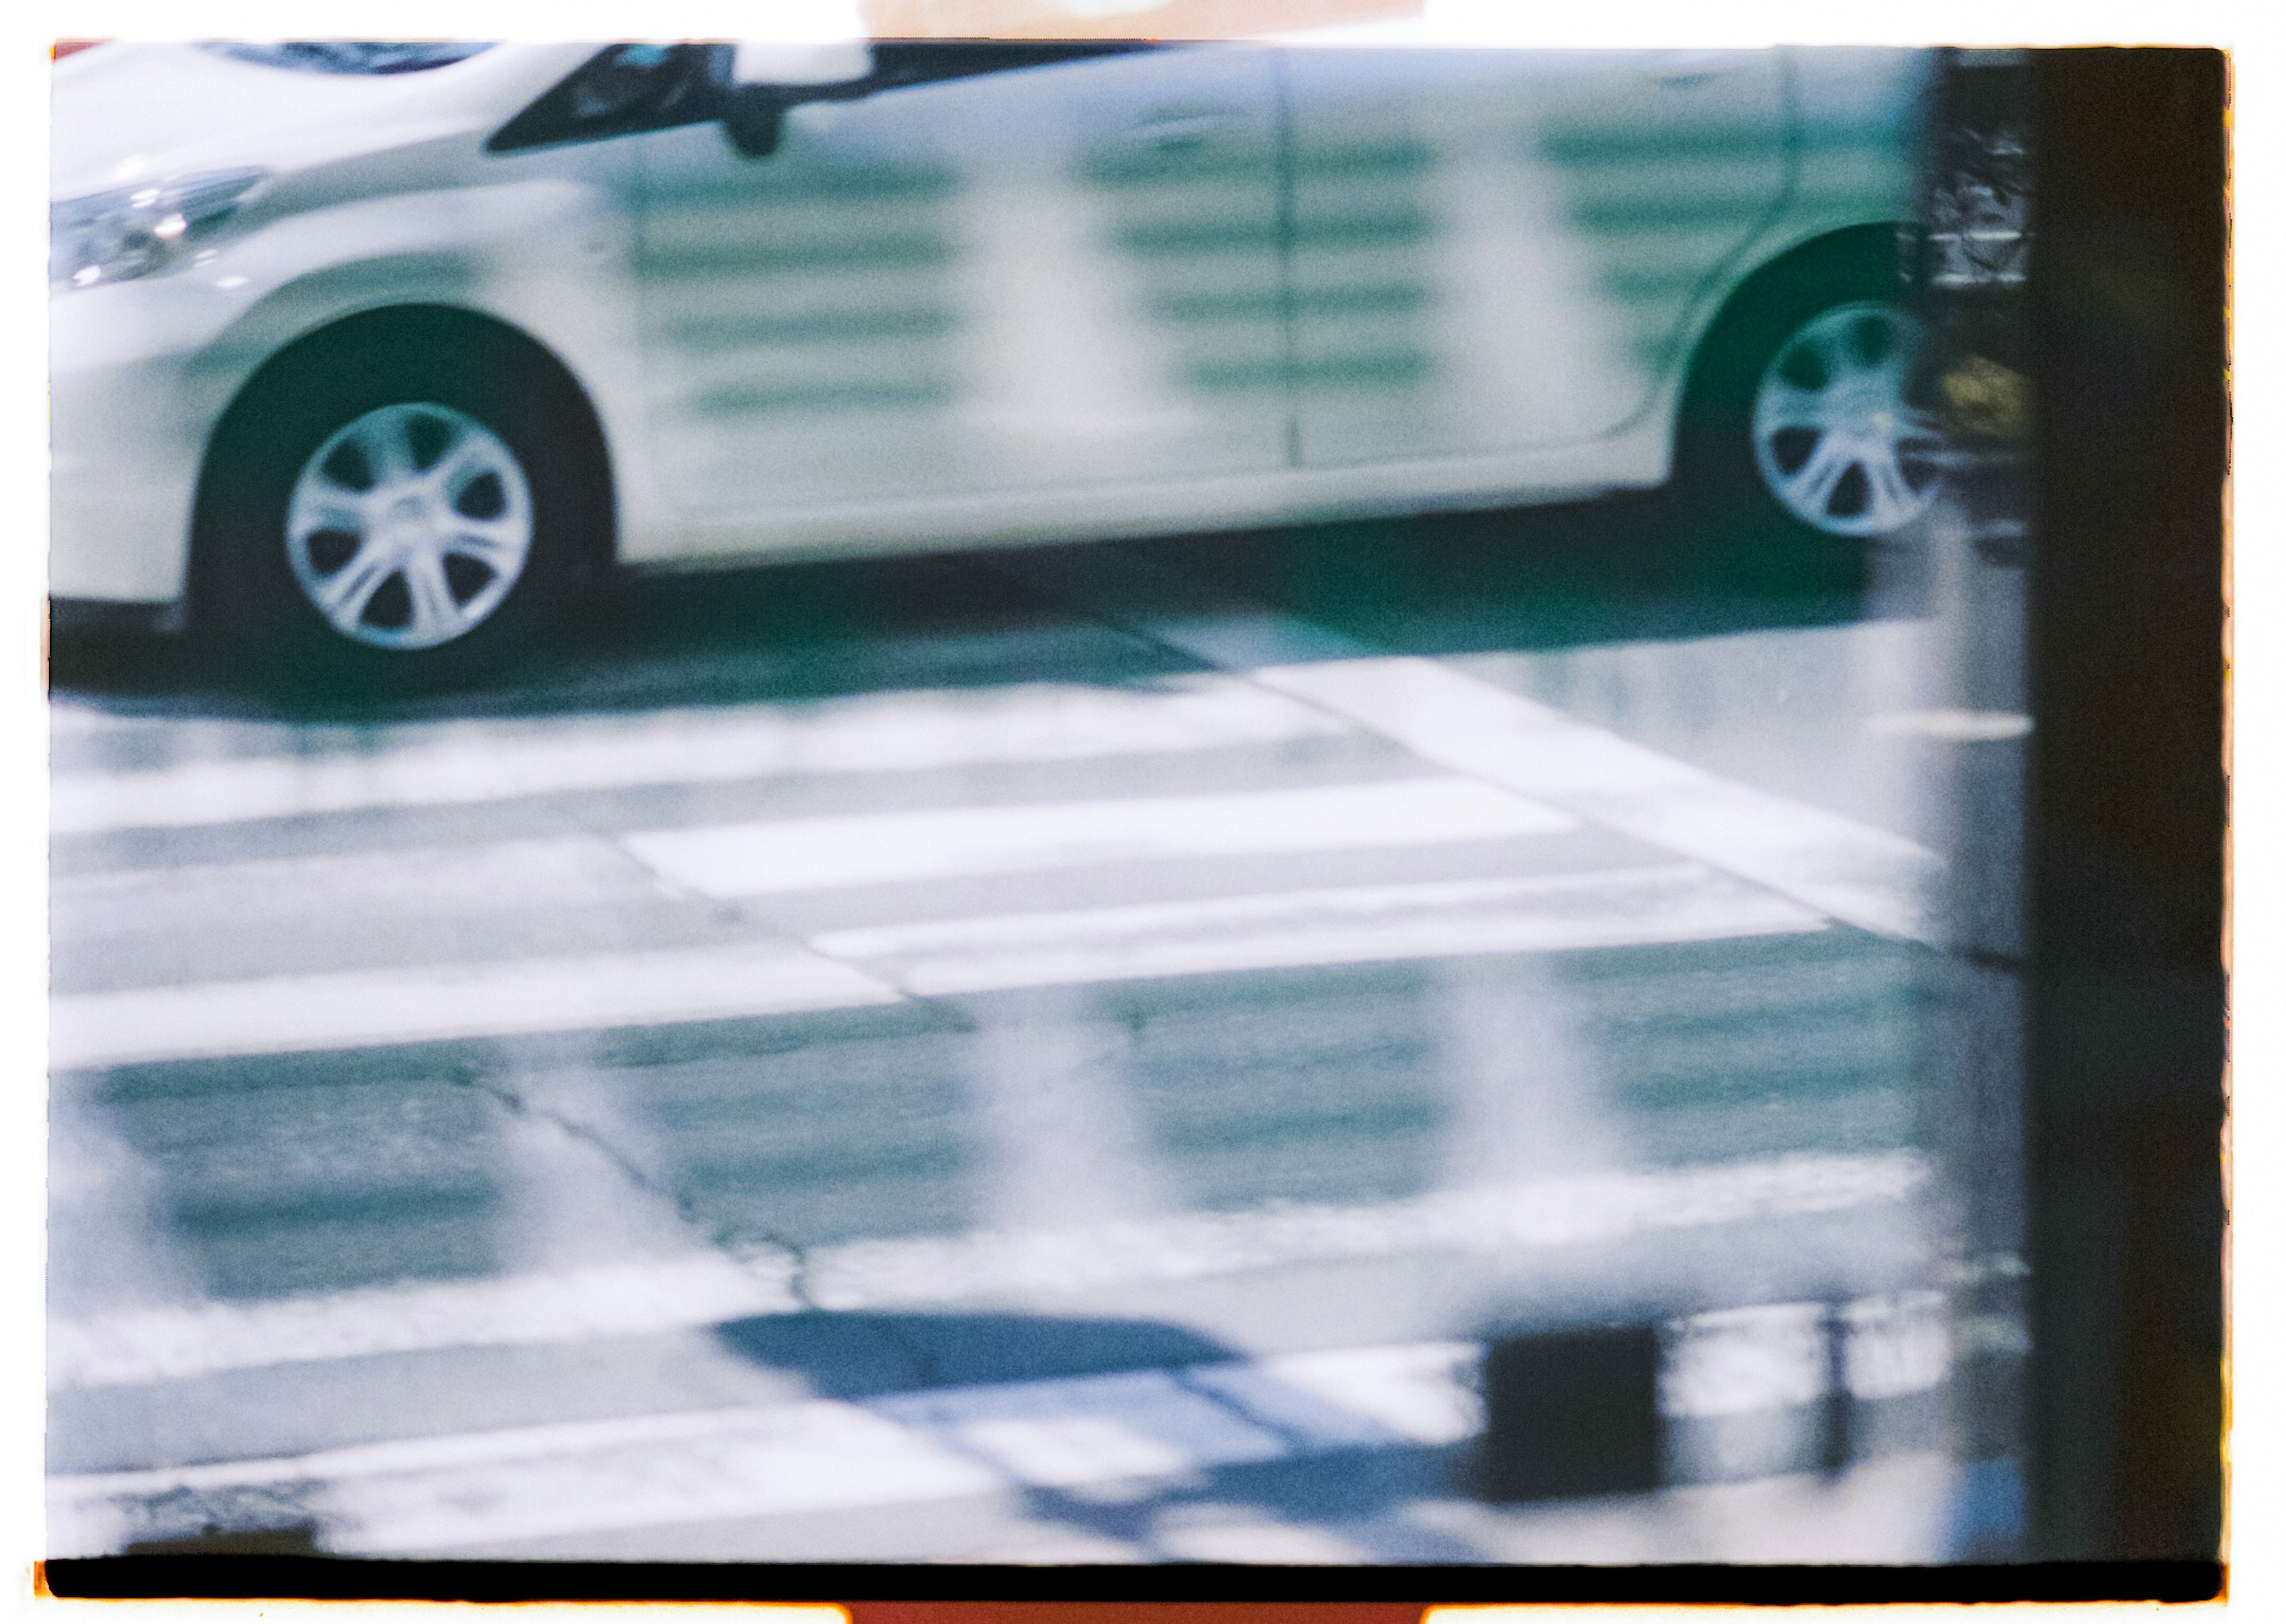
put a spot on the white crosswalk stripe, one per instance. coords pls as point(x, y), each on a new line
point(286, 1014)
point(808, 854)
point(427, 764)
point(1356, 924)
point(1847, 869)
point(1870, 877)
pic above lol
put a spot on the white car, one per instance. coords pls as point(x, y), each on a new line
point(373, 355)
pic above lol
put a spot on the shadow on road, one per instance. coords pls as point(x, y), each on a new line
point(1623, 569)
point(1001, 1392)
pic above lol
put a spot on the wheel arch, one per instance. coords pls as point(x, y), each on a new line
point(369, 338)
point(1715, 454)
point(1853, 253)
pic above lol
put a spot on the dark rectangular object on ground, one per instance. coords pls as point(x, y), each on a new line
point(1571, 1413)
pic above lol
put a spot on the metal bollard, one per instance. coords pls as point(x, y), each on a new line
point(1571, 1413)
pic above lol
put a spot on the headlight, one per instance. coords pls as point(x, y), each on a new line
point(136, 231)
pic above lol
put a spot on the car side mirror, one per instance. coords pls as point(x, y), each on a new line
point(764, 79)
point(753, 118)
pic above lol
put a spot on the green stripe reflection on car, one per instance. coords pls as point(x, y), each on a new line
point(1242, 164)
point(741, 329)
point(1659, 207)
point(1662, 287)
point(1709, 195)
point(1399, 159)
point(1172, 239)
point(1380, 228)
point(1394, 370)
point(854, 395)
point(762, 185)
point(761, 256)
point(1264, 304)
point(1408, 368)
point(1648, 144)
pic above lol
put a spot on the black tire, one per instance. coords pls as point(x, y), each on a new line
point(1718, 471)
point(420, 367)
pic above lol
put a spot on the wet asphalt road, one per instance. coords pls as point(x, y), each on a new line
point(1048, 1056)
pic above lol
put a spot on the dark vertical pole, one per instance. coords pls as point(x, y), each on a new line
point(1979, 185)
point(1836, 1419)
point(2126, 1038)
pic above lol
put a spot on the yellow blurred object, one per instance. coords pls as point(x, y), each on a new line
point(1117, 19)
point(1985, 397)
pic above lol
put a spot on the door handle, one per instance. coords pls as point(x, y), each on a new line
point(1174, 128)
point(1687, 70)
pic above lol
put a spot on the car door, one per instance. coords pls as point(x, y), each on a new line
point(1001, 269)
point(1496, 249)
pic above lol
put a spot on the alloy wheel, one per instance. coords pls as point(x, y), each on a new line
point(1838, 440)
point(409, 526)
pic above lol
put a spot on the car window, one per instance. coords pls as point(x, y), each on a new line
point(626, 89)
point(350, 56)
point(620, 90)
point(898, 63)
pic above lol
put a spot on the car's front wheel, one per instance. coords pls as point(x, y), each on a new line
point(391, 522)
point(410, 527)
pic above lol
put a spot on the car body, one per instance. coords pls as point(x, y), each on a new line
point(950, 292)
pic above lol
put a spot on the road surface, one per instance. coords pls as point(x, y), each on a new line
point(1052, 1056)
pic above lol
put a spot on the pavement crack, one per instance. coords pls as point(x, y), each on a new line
point(742, 1245)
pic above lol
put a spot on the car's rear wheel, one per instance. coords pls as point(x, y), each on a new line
point(396, 526)
point(1809, 411)
point(1840, 443)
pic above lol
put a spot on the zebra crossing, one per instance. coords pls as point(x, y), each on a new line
point(820, 998)
point(788, 856)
